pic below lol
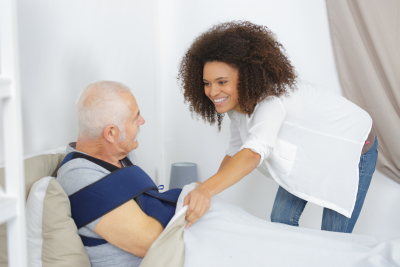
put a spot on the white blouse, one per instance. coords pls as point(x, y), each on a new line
point(310, 143)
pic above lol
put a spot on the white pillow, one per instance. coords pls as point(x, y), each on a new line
point(34, 211)
point(53, 238)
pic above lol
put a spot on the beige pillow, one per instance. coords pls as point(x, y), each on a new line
point(169, 249)
point(36, 168)
point(53, 238)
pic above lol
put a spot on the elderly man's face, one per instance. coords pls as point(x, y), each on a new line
point(132, 125)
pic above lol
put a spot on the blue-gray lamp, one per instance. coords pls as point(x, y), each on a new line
point(183, 173)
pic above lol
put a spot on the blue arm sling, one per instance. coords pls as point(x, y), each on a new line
point(115, 189)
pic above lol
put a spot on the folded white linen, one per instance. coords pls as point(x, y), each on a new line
point(180, 209)
point(228, 236)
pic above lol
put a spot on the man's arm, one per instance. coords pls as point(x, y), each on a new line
point(129, 228)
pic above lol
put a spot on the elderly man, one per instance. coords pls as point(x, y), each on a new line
point(109, 120)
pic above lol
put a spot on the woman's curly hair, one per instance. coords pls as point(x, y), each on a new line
point(263, 67)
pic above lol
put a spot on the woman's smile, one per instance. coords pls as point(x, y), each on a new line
point(220, 101)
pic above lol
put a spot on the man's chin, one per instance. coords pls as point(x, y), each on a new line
point(135, 145)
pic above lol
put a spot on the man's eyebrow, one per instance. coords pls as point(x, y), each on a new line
point(137, 115)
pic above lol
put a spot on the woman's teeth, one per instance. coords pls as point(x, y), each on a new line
point(219, 100)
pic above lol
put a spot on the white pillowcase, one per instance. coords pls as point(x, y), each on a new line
point(34, 212)
point(53, 238)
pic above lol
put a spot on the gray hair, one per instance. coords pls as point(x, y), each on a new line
point(101, 104)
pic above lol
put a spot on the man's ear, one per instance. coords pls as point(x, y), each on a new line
point(110, 133)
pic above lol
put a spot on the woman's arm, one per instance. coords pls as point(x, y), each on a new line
point(224, 161)
point(232, 170)
point(257, 147)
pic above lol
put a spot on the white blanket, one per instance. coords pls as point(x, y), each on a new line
point(228, 236)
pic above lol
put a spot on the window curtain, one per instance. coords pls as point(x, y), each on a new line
point(365, 37)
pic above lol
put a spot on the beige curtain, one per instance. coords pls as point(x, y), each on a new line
point(365, 37)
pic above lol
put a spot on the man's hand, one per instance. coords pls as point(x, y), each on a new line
point(199, 201)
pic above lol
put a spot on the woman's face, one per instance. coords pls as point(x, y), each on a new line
point(220, 86)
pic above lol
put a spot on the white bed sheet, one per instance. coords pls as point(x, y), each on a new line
point(228, 236)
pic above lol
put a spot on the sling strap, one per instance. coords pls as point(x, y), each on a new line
point(115, 189)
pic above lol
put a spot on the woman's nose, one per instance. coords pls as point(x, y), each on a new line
point(214, 90)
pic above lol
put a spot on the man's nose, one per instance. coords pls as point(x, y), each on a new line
point(143, 121)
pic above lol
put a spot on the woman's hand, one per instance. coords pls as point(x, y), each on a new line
point(199, 201)
point(232, 170)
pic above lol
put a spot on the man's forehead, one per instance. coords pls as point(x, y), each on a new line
point(129, 98)
point(131, 101)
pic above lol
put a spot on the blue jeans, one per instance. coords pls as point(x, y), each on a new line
point(288, 208)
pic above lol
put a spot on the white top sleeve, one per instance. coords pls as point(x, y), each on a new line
point(235, 142)
point(268, 118)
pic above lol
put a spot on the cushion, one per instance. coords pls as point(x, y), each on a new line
point(169, 247)
point(36, 167)
point(53, 238)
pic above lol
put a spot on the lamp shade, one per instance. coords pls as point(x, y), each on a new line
point(182, 173)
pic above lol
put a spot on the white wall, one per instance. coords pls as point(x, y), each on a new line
point(302, 28)
point(66, 44)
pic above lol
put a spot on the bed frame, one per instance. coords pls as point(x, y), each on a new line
point(12, 199)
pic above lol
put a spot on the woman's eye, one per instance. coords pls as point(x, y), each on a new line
point(222, 82)
point(206, 84)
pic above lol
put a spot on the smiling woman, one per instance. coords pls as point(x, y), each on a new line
point(291, 131)
point(252, 51)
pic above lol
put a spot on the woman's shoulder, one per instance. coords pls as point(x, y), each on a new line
point(276, 101)
point(270, 103)
point(269, 108)
point(281, 106)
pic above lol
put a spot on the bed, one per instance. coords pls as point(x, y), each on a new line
point(228, 236)
point(225, 236)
